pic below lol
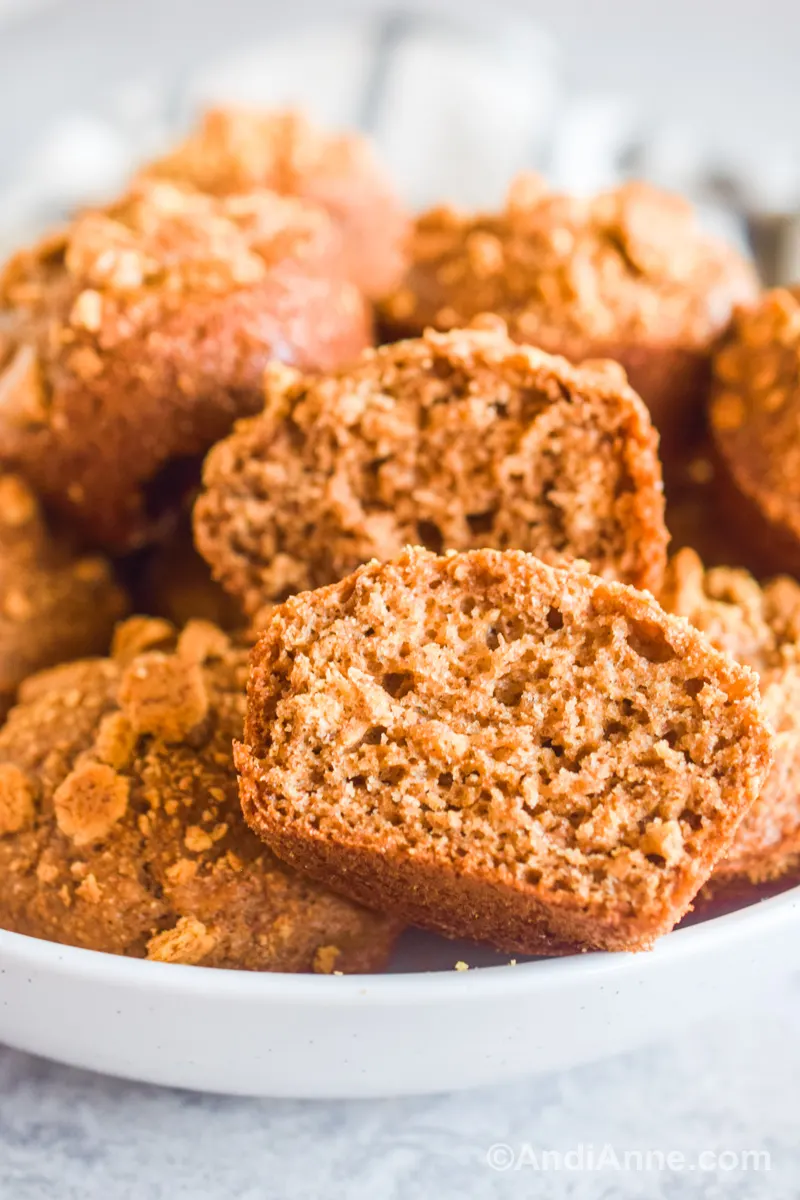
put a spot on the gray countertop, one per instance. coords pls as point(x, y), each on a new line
point(726, 1087)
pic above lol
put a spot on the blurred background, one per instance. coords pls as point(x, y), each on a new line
point(700, 95)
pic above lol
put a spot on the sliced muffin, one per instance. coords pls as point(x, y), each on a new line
point(453, 441)
point(494, 748)
point(628, 274)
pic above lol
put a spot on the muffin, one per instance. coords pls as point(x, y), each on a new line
point(172, 580)
point(456, 441)
point(627, 275)
point(493, 748)
point(120, 828)
point(755, 426)
point(759, 627)
point(55, 603)
point(236, 150)
point(131, 342)
point(693, 514)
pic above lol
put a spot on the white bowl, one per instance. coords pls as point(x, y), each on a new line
point(387, 1035)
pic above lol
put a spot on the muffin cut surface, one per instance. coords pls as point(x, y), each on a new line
point(453, 441)
point(494, 748)
point(628, 274)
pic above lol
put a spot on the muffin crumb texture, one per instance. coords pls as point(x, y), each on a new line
point(453, 441)
point(491, 747)
point(628, 274)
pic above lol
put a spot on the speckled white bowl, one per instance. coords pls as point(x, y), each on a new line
point(394, 1034)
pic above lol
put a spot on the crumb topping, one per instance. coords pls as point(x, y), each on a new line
point(17, 799)
point(235, 150)
point(756, 400)
point(89, 802)
point(163, 695)
point(133, 840)
point(325, 959)
point(760, 626)
point(189, 942)
point(632, 262)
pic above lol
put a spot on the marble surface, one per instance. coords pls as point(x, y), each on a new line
point(728, 1086)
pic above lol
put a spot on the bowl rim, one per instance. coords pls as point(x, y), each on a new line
point(479, 983)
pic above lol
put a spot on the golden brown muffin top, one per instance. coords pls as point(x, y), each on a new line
point(755, 406)
point(456, 441)
point(120, 827)
point(55, 604)
point(112, 270)
point(238, 149)
point(130, 343)
point(758, 626)
point(631, 263)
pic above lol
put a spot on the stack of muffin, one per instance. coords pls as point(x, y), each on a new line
point(413, 651)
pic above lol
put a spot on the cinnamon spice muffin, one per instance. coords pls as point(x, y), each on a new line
point(238, 149)
point(173, 581)
point(759, 627)
point(755, 425)
point(131, 342)
point(627, 275)
point(494, 748)
point(457, 441)
point(55, 604)
point(120, 828)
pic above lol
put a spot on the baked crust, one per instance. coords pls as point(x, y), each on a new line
point(237, 149)
point(754, 418)
point(120, 828)
point(457, 440)
point(626, 275)
point(173, 581)
point(55, 603)
point(498, 749)
point(131, 342)
point(760, 627)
